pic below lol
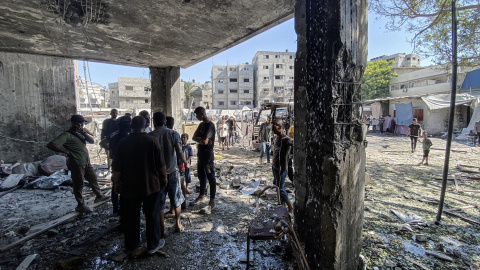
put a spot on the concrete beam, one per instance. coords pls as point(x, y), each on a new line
point(37, 98)
point(138, 33)
point(331, 58)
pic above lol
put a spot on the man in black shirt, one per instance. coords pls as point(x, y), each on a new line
point(139, 174)
point(415, 130)
point(109, 126)
point(205, 137)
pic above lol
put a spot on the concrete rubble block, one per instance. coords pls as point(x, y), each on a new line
point(270, 194)
point(225, 185)
point(236, 183)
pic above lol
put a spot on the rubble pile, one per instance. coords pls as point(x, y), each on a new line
point(401, 202)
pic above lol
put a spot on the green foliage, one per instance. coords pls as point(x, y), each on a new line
point(431, 22)
point(376, 79)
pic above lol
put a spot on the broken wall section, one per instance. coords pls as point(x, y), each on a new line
point(37, 98)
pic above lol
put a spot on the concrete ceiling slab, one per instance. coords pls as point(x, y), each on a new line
point(157, 33)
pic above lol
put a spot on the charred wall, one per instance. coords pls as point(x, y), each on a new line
point(37, 98)
point(331, 57)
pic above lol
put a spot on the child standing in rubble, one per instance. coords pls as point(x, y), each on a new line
point(282, 144)
point(426, 144)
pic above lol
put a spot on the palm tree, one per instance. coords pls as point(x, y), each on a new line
point(188, 89)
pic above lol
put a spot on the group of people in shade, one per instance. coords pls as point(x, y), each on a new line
point(150, 165)
point(378, 123)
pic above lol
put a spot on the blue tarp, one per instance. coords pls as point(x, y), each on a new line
point(404, 114)
point(472, 80)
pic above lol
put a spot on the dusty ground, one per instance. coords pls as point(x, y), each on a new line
point(399, 184)
point(218, 240)
point(215, 241)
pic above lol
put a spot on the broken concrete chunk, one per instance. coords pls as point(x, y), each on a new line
point(421, 238)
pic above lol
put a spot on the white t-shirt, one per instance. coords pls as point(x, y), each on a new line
point(224, 130)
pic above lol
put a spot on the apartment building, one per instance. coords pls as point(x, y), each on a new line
point(90, 94)
point(130, 93)
point(274, 76)
point(401, 60)
point(233, 86)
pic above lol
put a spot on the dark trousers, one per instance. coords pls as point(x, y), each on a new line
point(381, 128)
point(78, 174)
point(413, 140)
point(206, 170)
point(279, 181)
point(131, 220)
point(115, 199)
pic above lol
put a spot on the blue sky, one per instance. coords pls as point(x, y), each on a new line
point(279, 38)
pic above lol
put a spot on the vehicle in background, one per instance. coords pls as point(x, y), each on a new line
point(277, 110)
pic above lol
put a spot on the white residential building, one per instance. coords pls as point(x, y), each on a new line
point(401, 60)
point(274, 76)
point(90, 94)
point(428, 80)
point(232, 86)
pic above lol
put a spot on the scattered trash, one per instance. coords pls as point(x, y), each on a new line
point(49, 182)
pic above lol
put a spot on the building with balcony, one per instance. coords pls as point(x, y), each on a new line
point(233, 86)
point(274, 76)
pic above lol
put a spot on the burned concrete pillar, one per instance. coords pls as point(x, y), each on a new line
point(166, 93)
point(37, 98)
point(329, 148)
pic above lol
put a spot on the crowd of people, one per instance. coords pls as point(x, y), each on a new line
point(149, 165)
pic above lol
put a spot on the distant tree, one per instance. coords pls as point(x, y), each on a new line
point(430, 21)
point(376, 79)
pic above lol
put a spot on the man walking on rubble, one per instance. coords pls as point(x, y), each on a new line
point(282, 144)
point(73, 143)
point(139, 176)
point(414, 129)
point(205, 137)
point(169, 140)
point(264, 135)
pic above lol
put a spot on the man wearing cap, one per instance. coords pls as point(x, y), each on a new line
point(415, 130)
point(73, 143)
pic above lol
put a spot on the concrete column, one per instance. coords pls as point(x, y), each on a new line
point(329, 136)
point(166, 93)
point(37, 98)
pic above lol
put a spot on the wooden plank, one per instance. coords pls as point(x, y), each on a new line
point(469, 190)
point(461, 208)
point(469, 166)
point(26, 262)
point(462, 217)
point(40, 228)
point(12, 180)
point(439, 255)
